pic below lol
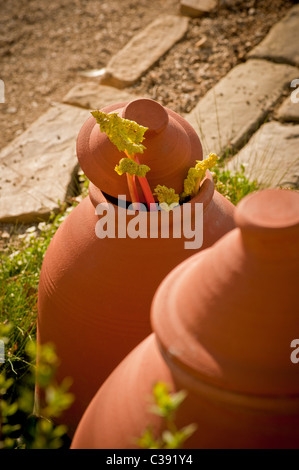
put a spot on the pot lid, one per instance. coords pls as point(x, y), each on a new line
point(228, 314)
point(172, 147)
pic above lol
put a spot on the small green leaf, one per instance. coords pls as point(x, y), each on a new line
point(189, 430)
point(8, 443)
point(9, 428)
point(178, 398)
point(44, 426)
point(147, 440)
point(8, 409)
point(167, 436)
point(166, 403)
point(176, 438)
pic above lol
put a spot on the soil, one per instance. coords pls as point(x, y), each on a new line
point(212, 46)
point(45, 45)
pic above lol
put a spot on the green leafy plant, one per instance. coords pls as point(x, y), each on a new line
point(20, 427)
point(20, 264)
point(234, 186)
point(165, 405)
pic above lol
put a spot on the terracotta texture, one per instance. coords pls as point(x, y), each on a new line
point(95, 294)
point(223, 320)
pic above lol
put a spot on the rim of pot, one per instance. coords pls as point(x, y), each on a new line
point(186, 379)
point(204, 196)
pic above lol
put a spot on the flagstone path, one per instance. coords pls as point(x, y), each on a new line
point(37, 169)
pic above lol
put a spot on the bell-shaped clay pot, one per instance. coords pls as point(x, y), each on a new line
point(95, 293)
point(224, 321)
point(172, 147)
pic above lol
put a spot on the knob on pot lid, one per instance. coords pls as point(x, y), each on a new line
point(172, 147)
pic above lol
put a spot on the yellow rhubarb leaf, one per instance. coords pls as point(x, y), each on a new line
point(127, 165)
point(126, 135)
point(196, 174)
point(167, 197)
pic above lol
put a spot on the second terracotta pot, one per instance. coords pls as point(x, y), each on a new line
point(95, 293)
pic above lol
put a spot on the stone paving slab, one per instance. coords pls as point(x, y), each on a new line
point(36, 169)
point(281, 43)
point(144, 49)
point(92, 95)
point(288, 111)
point(195, 8)
point(232, 110)
point(271, 156)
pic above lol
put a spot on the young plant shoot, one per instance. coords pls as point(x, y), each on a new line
point(196, 174)
point(167, 197)
point(128, 136)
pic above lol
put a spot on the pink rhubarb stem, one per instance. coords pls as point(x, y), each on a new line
point(146, 190)
point(133, 190)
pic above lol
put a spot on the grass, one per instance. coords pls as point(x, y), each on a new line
point(19, 277)
point(20, 265)
point(20, 426)
point(234, 186)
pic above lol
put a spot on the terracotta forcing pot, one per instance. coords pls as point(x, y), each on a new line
point(223, 322)
point(95, 293)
